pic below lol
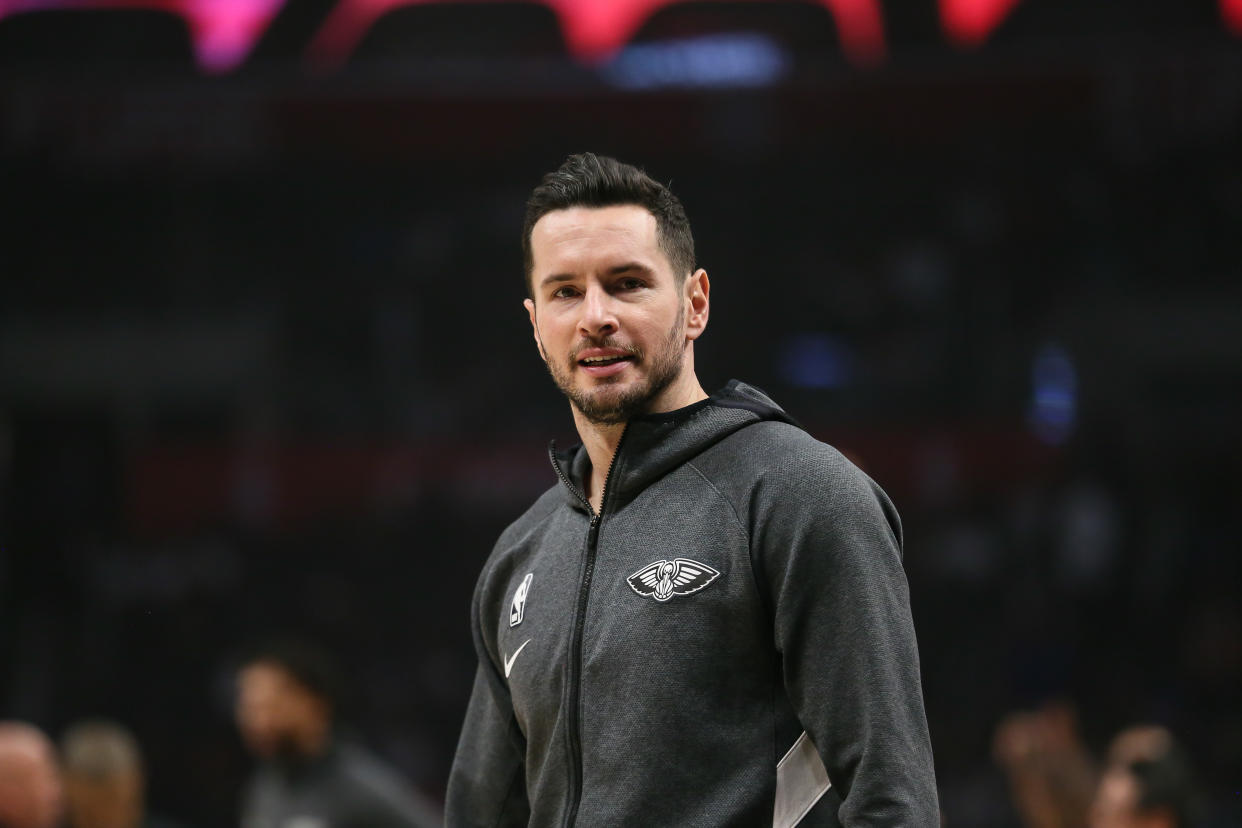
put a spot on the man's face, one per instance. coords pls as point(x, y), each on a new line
point(275, 712)
point(1116, 804)
point(30, 789)
point(609, 314)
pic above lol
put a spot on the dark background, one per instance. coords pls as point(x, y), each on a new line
point(264, 366)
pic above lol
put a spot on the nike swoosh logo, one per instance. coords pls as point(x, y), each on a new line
point(509, 661)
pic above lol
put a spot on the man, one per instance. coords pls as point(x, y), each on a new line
point(309, 776)
point(105, 777)
point(1052, 776)
point(705, 622)
point(30, 789)
point(1147, 783)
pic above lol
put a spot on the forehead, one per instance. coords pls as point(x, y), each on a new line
point(1118, 792)
point(264, 676)
point(26, 752)
point(583, 237)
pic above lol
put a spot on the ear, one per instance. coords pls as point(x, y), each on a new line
point(698, 290)
point(530, 309)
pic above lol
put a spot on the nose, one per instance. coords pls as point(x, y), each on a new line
point(598, 313)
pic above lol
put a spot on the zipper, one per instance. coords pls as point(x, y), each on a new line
point(569, 485)
point(573, 725)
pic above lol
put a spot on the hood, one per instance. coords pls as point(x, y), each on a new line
point(654, 444)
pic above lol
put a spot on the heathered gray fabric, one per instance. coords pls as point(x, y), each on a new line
point(346, 788)
point(687, 705)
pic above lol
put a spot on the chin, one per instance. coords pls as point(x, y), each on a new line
point(262, 748)
point(616, 384)
point(607, 385)
point(609, 395)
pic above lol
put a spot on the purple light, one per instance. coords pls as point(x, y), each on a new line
point(816, 360)
point(1054, 395)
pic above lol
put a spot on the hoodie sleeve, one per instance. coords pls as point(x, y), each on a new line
point(487, 785)
point(827, 542)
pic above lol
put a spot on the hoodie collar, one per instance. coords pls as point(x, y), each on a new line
point(654, 444)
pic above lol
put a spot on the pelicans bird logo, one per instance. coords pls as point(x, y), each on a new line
point(664, 579)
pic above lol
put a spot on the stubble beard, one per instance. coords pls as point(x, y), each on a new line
point(604, 406)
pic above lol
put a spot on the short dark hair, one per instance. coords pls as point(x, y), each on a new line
point(100, 749)
point(1167, 783)
point(590, 180)
point(308, 664)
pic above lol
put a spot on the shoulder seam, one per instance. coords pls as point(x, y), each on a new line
point(732, 509)
point(755, 578)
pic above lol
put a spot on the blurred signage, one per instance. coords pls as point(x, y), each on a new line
point(594, 30)
point(190, 486)
point(225, 31)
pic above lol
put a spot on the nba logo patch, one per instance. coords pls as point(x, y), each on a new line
point(518, 610)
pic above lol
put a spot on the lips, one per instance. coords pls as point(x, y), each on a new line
point(604, 362)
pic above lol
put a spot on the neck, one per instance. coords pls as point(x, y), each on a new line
point(601, 439)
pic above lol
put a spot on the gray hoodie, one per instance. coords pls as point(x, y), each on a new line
point(728, 642)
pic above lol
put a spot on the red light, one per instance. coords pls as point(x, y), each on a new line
point(594, 29)
point(1231, 13)
point(971, 22)
point(861, 28)
point(225, 31)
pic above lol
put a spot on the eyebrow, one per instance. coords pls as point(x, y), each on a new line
point(628, 266)
point(612, 271)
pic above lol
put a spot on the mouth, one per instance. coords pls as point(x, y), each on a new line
point(604, 362)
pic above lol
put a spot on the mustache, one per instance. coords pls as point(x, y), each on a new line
point(605, 342)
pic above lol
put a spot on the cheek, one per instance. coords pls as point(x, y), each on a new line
point(556, 337)
point(259, 718)
point(657, 327)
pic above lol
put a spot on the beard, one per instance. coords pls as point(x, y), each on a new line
point(281, 747)
point(607, 405)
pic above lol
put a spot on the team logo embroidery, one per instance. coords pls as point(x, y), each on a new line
point(518, 610)
point(664, 579)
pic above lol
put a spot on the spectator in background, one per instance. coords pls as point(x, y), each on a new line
point(105, 777)
point(30, 787)
point(287, 701)
point(1147, 783)
point(1051, 773)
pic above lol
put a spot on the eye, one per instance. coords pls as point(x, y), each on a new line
point(632, 283)
point(564, 292)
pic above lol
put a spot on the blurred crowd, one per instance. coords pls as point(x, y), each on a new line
point(1145, 780)
point(311, 771)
